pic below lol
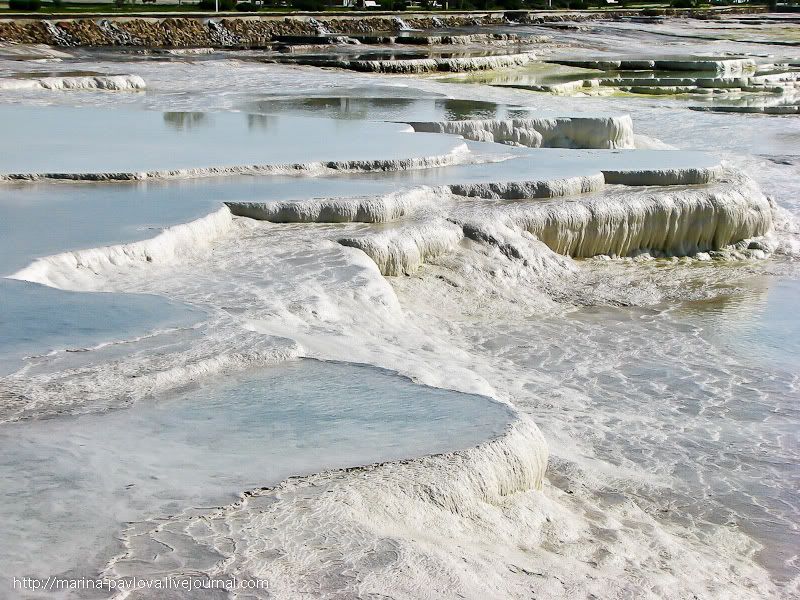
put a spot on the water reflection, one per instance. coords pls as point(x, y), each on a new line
point(352, 108)
point(182, 121)
point(757, 322)
point(62, 139)
point(461, 110)
point(260, 122)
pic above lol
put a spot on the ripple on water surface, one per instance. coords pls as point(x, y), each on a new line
point(699, 400)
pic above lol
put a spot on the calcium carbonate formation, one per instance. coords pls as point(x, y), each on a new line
point(391, 207)
point(661, 222)
point(726, 66)
point(350, 532)
point(781, 109)
point(62, 270)
point(619, 222)
point(88, 82)
point(458, 155)
point(542, 132)
point(469, 485)
point(420, 65)
point(727, 85)
point(370, 209)
point(403, 250)
point(521, 190)
point(226, 349)
point(470, 283)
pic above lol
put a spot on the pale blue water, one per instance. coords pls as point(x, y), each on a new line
point(79, 140)
point(67, 485)
point(720, 435)
point(48, 218)
point(760, 325)
point(37, 320)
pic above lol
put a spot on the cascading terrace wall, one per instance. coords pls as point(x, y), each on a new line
point(252, 31)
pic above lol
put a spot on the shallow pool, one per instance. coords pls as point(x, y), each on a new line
point(37, 320)
point(70, 484)
point(58, 139)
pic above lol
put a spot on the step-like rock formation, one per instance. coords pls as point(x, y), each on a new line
point(257, 31)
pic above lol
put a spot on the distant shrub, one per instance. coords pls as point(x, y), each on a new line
point(27, 5)
point(246, 7)
point(212, 5)
point(309, 5)
point(683, 4)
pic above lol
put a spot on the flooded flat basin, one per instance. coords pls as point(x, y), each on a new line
point(79, 140)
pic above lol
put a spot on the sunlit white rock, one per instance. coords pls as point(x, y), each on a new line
point(89, 82)
point(61, 270)
point(542, 132)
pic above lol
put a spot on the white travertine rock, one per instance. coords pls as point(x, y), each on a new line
point(403, 250)
point(114, 83)
point(542, 132)
point(61, 270)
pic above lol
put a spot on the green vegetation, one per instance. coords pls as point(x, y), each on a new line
point(309, 5)
point(211, 5)
point(110, 7)
point(25, 5)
